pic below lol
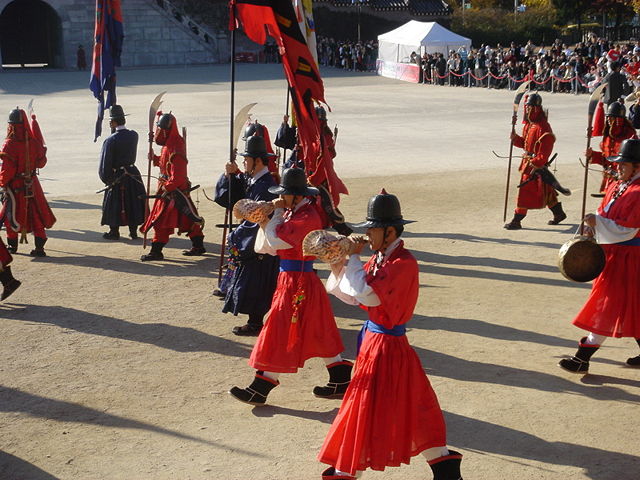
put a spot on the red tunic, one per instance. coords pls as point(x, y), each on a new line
point(537, 141)
point(389, 413)
point(323, 170)
point(31, 211)
point(318, 334)
point(173, 176)
point(613, 307)
point(609, 147)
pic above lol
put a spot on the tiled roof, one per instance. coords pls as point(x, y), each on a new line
point(417, 7)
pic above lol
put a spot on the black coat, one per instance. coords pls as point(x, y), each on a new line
point(255, 276)
point(122, 204)
point(617, 86)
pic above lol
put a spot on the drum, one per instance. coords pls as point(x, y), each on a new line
point(581, 259)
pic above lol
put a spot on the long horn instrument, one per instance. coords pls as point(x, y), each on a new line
point(514, 118)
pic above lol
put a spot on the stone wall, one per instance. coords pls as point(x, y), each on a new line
point(152, 36)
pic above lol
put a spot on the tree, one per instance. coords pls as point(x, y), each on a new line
point(571, 11)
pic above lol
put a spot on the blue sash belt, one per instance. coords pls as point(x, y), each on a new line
point(397, 331)
point(633, 242)
point(296, 265)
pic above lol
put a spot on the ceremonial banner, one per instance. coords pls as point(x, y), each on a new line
point(107, 48)
point(278, 17)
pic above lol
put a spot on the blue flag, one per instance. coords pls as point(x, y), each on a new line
point(107, 49)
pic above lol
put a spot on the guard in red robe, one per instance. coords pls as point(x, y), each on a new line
point(389, 413)
point(300, 324)
point(9, 283)
point(322, 175)
point(616, 130)
point(25, 208)
point(173, 207)
point(537, 141)
point(613, 307)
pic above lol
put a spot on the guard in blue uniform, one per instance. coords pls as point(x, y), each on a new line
point(124, 195)
point(254, 278)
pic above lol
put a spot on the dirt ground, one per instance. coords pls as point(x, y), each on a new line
point(117, 369)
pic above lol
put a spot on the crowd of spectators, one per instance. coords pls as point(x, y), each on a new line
point(557, 68)
point(348, 55)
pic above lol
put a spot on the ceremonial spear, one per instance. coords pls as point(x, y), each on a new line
point(153, 110)
point(593, 103)
point(514, 118)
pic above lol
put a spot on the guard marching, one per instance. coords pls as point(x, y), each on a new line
point(173, 207)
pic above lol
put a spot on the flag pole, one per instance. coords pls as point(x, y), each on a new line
point(228, 218)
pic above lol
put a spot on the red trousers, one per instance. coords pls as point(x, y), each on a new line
point(162, 234)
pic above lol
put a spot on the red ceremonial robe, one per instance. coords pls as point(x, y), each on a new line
point(610, 147)
point(317, 333)
point(173, 176)
point(613, 307)
point(22, 155)
point(537, 141)
point(323, 170)
point(389, 413)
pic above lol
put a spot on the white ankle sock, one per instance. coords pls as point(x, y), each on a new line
point(329, 361)
point(435, 452)
point(272, 375)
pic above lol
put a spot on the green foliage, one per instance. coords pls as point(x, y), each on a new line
point(496, 25)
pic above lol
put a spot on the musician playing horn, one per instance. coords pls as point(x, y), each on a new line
point(613, 307)
point(537, 141)
point(390, 413)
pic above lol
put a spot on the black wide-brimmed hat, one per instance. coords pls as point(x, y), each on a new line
point(15, 116)
point(294, 182)
point(629, 152)
point(257, 148)
point(116, 111)
point(383, 211)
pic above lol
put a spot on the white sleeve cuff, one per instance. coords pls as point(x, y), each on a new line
point(270, 231)
point(354, 283)
point(608, 231)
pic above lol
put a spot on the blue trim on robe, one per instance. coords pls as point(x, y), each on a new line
point(296, 265)
point(397, 331)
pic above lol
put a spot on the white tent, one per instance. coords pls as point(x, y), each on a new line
point(430, 37)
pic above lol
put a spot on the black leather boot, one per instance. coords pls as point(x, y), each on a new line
point(330, 474)
point(112, 234)
point(579, 363)
point(133, 232)
point(155, 253)
point(9, 283)
point(447, 467)
point(515, 223)
point(12, 245)
point(558, 214)
point(256, 393)
point(197, 247)
point(339, 378)
point(39, 250)
point(634, 361)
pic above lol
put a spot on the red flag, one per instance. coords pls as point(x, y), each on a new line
point(278, 18)
point(598, 121)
